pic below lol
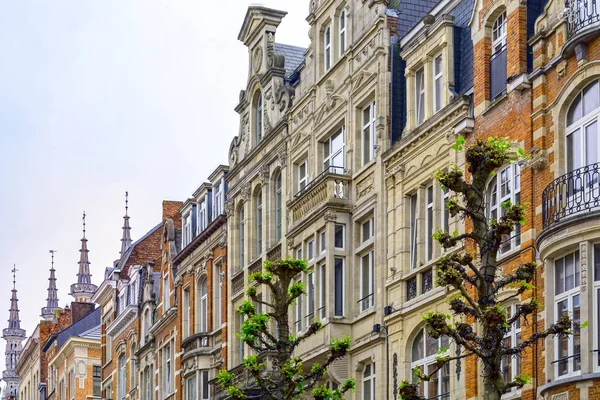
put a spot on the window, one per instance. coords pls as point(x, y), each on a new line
point(498, 59)
point(596, 315)
point(258, 117)
point(202, 216)
point(191, 388)
point(167, 353)
point(218, 198)
point(445, 212)
point(203, 305)
point(367, 230)
point(310, 298)
point(429, 224)
point(148, 383)
point(204, 393)
point(299, 253)
point(368, 133)
point(342, 33)
point(511, 365)
point(259, 217)
point(424, 352)
point(420, 95)
point(413, 231)
point(499, 33)
point(278, 207)
point(97, 380)
point(122, 377)
point(299, 311)
point(165, 289)
point(219, 297)
point(310, 249)
point(186, 313)
point(327, 48)
point(367, 283)
point(339, 287)
point(132, 368)
point(333, 153)
point(505, 186)
point(242, 233)
point(187, 229)
point(322, 291)
point(411, 288)
point(241, 344)
point(339, 236)
point(71, 385)
point(438, 91)
point(302, 175)
point(566, 296)
point(368, 381)
point(426, 281)
point(108, 347)
point(323, 240)
point(583, 145)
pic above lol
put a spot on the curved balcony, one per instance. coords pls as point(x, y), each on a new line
point(582, 16)
point(571, 198)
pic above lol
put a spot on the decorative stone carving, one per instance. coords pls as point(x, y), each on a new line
point(583, 265)
point(245, 191)
point(561, 68)
point(263, 174)
point(581, 52)
point(223, 239)
point(283, 96)
point(245, 132)
point(290, 243)
point(364, 187)
point(242, 95)
point(561, 396)
point(330, 216)
point(538, 161)
point(257, 59)
point(267, 120)
point(270, 49)
point(282, 158)
point(229, 208)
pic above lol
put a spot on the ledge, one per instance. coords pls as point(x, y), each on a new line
point(570, 379)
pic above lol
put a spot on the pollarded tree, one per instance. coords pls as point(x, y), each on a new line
point(479, 278)
point(277, 373)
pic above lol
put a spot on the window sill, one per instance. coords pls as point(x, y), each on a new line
point(364, 314)
point(512, 395)
point(364, 246)
point(364, 168)
point(512, 253)
point(493, 103)
point(566, 380)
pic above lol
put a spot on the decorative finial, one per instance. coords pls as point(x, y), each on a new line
point(126, 202)
point(84, 223)
point(14, 272)
point(52, 252)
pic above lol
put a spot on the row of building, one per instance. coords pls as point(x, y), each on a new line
point(333, 163)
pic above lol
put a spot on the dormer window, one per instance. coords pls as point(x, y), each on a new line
point(327, 48)
point(218, 199)
point(202, 216)
point(258, 116)
point(187, 229)
point(342, 32)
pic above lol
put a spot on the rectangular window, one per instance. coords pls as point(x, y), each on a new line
point(368, 133)
point(322, 241)
point(202, 216)
point(97, 380)
point(310, 248)
point(219, 296)
point(72, 385)
point(299, 311)
point(327, 48)
point(426, 281)
point(367, 230)
point(168, 388)
point(368, 382)
point(310, 298)
point(191, 388)
point(339, 287)
point(187, 229)
point(411, 288)
point(342, 24)
point(322, 291)
point(429, 225)
point(241, 344)
point(302, 175)
point(299, 253)
point(204, 388)
point(445, 213)
point(367, 288)
point(242, 236)
point(278, 207)
point(148, 377)
point(437, 83)
point(166, 305)
point(413, 231)
point(218, 199)
point(339, 237)
point(567, 298)
point(420, 95)
point(259, 217)
point(567, 273)
point(108, 348)
point(333, 153)
point(186, 312)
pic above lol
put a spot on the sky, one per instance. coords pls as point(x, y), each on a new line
point(102, 97)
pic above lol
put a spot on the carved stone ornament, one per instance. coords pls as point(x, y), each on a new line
point(229, 208)
point(584, 265)
point(267, 121)
point(257, 59)
point(537, 162)
point(290, 243)
point(561, 68)
point(245, 191)
point(364, 187)
point(263, 174)
point(223, 239)
point(270, 49)
point(245, 132)
point(330, 216)
point(282, 157)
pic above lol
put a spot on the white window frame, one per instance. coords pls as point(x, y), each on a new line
point(342, 284)
point(203, 325)
point(499, 33)
point(187, 229)
point(330, 153)
point(278, 206)
point(513, 337)
point(327, 61)
point(596, 309)
point(259, 221)
point(368, 376)
point(299, 311)
point(508, 177)
point(367, 300)
point(190, 387)
point(219, 299)
point(122, 376)
point(420, 95)
point(438, 83)
point(342, 37)
point(323, 291)
point(371, 230)
point(323, 241)
point(445, 223)
point(310, 249)
point(168, 369)
point(428, 360)
point(429, 221)
point(166, 298)
point(202, 215)
point(218, 199)
point(368, 133)
point(302, 179)
point(310, 298)
point(258, 116)
point(242, 236)
point(186, 312)
point(148, 377)
point(576, 134)
point(343, 237)
point(204, 379)
point(413, 229)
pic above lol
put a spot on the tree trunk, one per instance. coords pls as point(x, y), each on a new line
point(489, 390)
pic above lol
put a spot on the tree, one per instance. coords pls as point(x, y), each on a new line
point(477, 276)
point(277, 373)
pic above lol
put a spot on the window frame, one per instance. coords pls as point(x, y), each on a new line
point(302, 179)
point(494, 190)
point(429, 222)
point(342, 36)
point(278, 206)
point(430, 360)
point(203, 305)
point(190, 387)
point(438, 78)
point(298, 324)
point(514, 336)
point(420, 95)
point(499, 33)
point(367, 300)
point(339, 286)
point(413, 230)
point(330, 153)
point(259, 222)
point(343, 237)
point(327, 59)
point(258, 118)
point(323, 291)
point(122, 377)
point(368, 376)
point(242, 238)
point(368, 151)
point(310, 298)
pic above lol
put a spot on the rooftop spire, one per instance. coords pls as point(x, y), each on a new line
point(14, 336)
point(83, 290)
point(13, 320)
point(52, 300)
point(126, 240)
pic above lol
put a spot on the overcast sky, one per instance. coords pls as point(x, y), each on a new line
point(100, 97)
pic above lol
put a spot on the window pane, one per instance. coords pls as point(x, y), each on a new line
point(339, 236)
point(559, 276)
point(569, 272)
point(574, 151)
point(417, 348)
point(431, 347)
point(339, 289)
point(576, 333)
point(590, 98)
point(563, 342)
point(597, 264)
point(591, 144)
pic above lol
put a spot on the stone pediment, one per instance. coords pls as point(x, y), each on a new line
point(257, 19)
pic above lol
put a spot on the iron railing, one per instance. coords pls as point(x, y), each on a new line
point(574, 193)
point(581, 14)
point(498, 73)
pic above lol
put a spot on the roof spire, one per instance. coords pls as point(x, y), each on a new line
point(52, 300)
point(126, 239)
point(83, 290)
point(14, 336)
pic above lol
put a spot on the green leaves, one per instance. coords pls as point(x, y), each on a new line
point(459, 143)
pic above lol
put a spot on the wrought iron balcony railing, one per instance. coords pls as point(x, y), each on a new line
point(572, 194)
point(580, 15)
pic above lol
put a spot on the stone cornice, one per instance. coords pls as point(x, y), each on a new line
point(70, 346)
point(164, 320)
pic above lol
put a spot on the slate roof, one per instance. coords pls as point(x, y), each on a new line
point(94, 333)
point(294, 56)
point(411, 12)
point(84, 325)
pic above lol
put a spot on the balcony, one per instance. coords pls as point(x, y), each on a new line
point(572, 197)
point(275, 253)
point(330, 189)
point(201, 343)
point(237, 284)
point(125, 318)
point(256, 266)
point(582, 16)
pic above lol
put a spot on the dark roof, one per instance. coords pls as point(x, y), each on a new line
point(294, 56)
point(94, 333)
point(84, 325)
point(411, 12)
point(123, 261)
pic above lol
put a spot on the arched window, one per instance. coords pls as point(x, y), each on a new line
point(505, 186)
point(259, 219)
point(499, 33)
point(278, 207)
point(122, 377)
point(258, 116)
point(203, 305)
point(582, 128)
point(242, 238)
point(424, 352)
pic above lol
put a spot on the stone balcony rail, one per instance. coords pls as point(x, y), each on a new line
point(331, 187)
point(198, 342)
point(255, 266)
point(237, 284)
point(573, 195)
point(274, 253)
